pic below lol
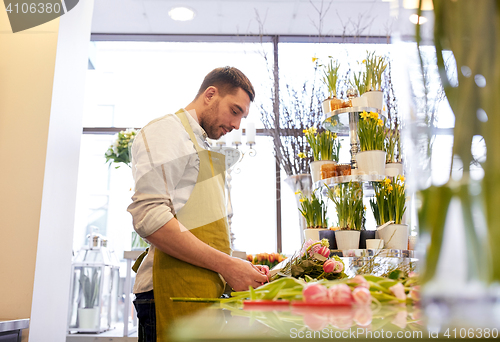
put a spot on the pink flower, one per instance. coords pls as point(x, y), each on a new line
point(306, 246)
point(361, 296)
point(339, 267)
point(415, 293)
point(315, 293)
point(264, 269)
point(329, 266)
point(363, 315)
point(324, 251)
point(341, 318)
point(340, 294)
point(399, 291)
point(400, 319)
point(359, 281)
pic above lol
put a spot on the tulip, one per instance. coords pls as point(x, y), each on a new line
point(329, 266)
point(361, 296)
point(415, 293)
point(359, 281)
point(400, 319)
point(363, 315)
point(399, 291)
point(272, 258)
point(315, 293)
point(324, 251)
point(340, 294)
point(250, 257)
point(341, 318)
point(339, 267)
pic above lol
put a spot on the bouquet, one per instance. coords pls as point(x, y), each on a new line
point(389, 202)
point(313, 262)
point(324, 145)
point(348, 199)
point(314, 210)
point(119, 152)
point(268, 259)
point(371, 132)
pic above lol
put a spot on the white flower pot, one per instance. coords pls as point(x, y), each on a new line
point(359, 102)
point(88, 318)
point(315, 167)
point(347, 239)
point(395, 236)
point(374, 99)
point(312, 233)
point(371, 162)
point(393, 169)
point(374, 243)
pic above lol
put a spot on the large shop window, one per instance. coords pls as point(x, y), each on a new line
point(136, 82)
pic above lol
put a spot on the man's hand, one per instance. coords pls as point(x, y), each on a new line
point(240, 274)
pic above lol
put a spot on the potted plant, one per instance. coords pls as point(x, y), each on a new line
point(388, 206)
point(88, 315)
point(348, 199)
point(330, 79)
point(313, 209)
point(325, 149)
point(371, 134)
point(375, 67)
point(392, 146)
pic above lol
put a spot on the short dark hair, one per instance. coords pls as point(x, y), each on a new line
point(227, 80)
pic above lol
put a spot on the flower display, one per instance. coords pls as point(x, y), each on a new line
point(389, 202)
point(119, 152)
point(324, 145)
point(313, 209)
point(371, 132)
point(266, 259)
point(370, 77)
point(348, 199)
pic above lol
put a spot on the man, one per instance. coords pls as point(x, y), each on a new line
point(179, 205)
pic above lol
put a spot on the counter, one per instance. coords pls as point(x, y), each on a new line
point(10, 330)
point(244, 323)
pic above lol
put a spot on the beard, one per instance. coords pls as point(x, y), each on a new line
point(208, 121)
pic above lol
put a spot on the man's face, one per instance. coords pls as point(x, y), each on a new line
point(225, 113)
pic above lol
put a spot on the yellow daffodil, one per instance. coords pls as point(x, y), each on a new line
point(337, 192)
point(314, 59)
point(364, 207)
point(334, 135)
point(301, 200)
point(364, 61)
point(389, 189)
point(301, 155)
point(298, 192)
point(304, 131)
point(374, 116)
point(364, 115)
point(380, 122)
point(401, 178)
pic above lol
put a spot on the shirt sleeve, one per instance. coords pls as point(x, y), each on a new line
point(160, 153)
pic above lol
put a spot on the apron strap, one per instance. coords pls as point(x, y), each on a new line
point(139, 260)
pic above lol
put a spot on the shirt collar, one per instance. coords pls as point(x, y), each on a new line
point(195, 125)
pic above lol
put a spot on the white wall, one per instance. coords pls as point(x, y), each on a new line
point(42, 75)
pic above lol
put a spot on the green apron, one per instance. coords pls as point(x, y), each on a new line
point(204, 214)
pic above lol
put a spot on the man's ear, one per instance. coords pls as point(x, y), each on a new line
point(210, 93)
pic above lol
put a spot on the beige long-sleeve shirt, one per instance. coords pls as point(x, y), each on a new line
point(164, 179)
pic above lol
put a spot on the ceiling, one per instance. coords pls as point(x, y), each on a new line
point(244, 17)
